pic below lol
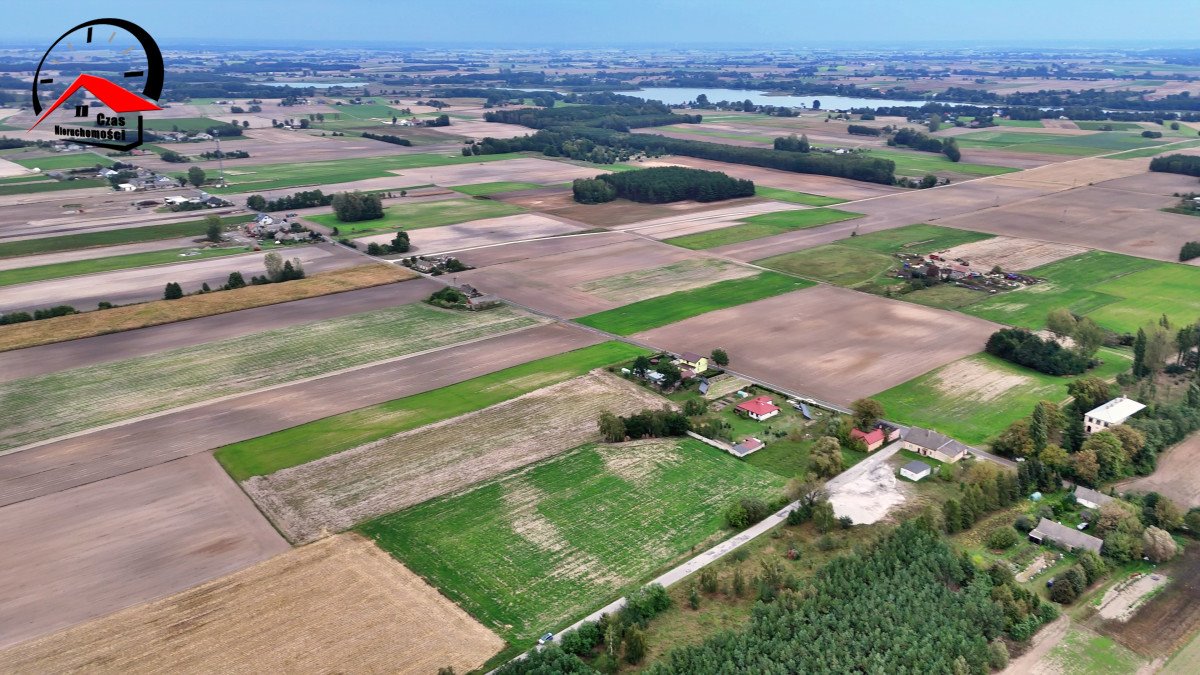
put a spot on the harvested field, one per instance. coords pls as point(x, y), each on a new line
point(527, 169)
point(703, 221)
point(145, 284)
point(335, 606)
point(1011, 254)
point(487, 232)
point(550, 283)
point(760, 226)
point(567, 535)
point(77, 326)
point(1074, 173)
point(118, 450)
point(46, 406)
point(841, 188)
point(1091, 217)
point(833, 344)
point(680, 276)
point(79, 554)
point(336, 492)
point(624, 212)
point(90, 350)
point(480, 130)
point(539, 248)
point(1177, 475)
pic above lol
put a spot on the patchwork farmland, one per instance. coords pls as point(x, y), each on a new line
point(338, 491)
point(567, 535)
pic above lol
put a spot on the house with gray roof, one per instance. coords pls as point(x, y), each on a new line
point(1091, 499)
point(929, 443)
point(1066, 537)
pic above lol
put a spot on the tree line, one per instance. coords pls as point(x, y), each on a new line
point(351, 207)
point(1188, 165)
point(300, 200)
point(919, 141)
point(388, 138)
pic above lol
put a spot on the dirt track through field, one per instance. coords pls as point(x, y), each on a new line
point(82, 553)
point(336, 492)
point(339, 605)
point(1177, 476)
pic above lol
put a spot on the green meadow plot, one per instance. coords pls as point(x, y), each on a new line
point(779, 194)
point(423, 214)
point(538, 548)
point(763, 225)
point(129, 235)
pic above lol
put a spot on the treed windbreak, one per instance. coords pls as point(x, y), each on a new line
point(910, 605)
point(660, 185)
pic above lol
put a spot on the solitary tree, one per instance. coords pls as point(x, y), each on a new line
point(866, 412)
point(274, 264)
point(173, 291)
point(256, 203)
point(719, 357)
point(195, 176)
point(1061, 322)
point(235, 280)
point(212, 228)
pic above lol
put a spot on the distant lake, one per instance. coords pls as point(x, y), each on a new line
point(681, 95)
point(314, 85)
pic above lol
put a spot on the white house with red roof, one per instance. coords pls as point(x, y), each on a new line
point(758, 408)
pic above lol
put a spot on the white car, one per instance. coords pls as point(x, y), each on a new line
point(545, 639)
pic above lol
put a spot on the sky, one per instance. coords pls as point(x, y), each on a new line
point(617, 23)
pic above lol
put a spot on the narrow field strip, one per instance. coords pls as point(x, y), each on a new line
point(47, 406)
point(665, 309)
point(321, 438)
point(762, 225)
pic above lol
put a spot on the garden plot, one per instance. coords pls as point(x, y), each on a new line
point(550, 283)
point(831, 343)
point(1122, 601)
point(337, 604)
point(336, 492)
point(540, 547)
point(680, 276)
point(1010, 253)
point(38, 408)
point(487, 232)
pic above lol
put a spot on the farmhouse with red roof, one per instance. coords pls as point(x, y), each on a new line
point(873, 439)
point(758, 408)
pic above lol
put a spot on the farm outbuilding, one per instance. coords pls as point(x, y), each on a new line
point(1111, 414)
point(747, 446)
point(915, 470)
point(1067, 537)
point(873, 439)
point(1090, 499)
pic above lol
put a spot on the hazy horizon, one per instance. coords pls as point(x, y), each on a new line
point(749, 24)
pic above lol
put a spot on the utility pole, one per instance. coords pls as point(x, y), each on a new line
point(220, 157)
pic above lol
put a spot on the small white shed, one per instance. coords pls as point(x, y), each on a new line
point(915, 470)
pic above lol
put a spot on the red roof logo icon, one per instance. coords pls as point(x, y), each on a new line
point(117, 98)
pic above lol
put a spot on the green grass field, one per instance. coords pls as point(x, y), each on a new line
point(29, 178)
point(917, 164)
point(132, 235)
point(46, 406)
point(1121, 293)
point(272, 176)
point(532, 551)
point(51, 186)
point(1150, 152)
point(306, 442)
point(180, 124)
point(365, 111)
point(25, 275)
point(1084, 652)
point(484, 189)
point(665, 309)
point(762, 225)
point(861, 261)
point(975, 398)
point(794, 197)
point(1115, 126)
point(1057, 144)
point(74, 160)
point(422, 214)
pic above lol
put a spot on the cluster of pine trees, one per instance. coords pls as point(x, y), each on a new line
point(1188, 165)
point(1045, 356)
point(909, 605)
point(350, 207)
point(660, 185)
